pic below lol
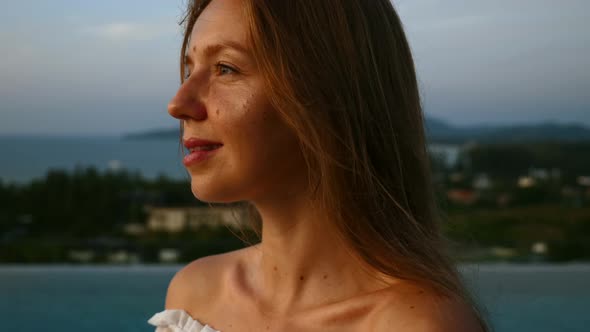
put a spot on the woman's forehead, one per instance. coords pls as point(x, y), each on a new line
point(221, 22)
point(223, 18)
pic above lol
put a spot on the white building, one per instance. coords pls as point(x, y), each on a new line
point(178, 219)
point(526, 182)
point(482, 182)
point(583, 181)
point(169, 255)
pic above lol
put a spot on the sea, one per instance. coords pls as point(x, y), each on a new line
point(515, 298)
point(25, 158)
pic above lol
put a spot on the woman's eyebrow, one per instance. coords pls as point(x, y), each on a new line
point(211, 50)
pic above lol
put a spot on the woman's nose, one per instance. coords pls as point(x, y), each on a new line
point(186, 104)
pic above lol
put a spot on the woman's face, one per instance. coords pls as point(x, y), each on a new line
point(240, 148)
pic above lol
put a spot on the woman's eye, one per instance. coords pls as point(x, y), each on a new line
point(223, 69)
point(187, 73)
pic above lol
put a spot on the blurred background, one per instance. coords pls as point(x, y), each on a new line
point(96, 212)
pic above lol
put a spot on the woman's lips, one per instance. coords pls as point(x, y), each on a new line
point(199, 150)
point(194, 142)
point(195, 156)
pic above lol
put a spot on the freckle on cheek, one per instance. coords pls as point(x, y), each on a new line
point(217, 111)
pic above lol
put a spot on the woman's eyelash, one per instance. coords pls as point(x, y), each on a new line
point(187, 72)
point(220, 69)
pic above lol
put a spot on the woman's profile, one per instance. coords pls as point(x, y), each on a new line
point(309, 110)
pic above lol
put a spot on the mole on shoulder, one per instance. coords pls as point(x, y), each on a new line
point(274, 268)
point(301, 277)
point(325, 276)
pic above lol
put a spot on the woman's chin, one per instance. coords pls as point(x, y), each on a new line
point(211, 195)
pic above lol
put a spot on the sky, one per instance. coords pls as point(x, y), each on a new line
point(109, 67)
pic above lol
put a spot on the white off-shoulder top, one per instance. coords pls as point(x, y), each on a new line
point(177, 321)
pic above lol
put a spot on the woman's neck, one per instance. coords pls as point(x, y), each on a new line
point(301, 263)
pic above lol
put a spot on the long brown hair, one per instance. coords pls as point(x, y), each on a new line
point(342, 75)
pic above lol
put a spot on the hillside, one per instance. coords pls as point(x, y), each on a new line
point(439, 131)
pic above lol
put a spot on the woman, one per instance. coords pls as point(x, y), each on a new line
point(309, 110)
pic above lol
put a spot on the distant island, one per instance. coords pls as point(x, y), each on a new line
point(439, 131)
point(164, 133)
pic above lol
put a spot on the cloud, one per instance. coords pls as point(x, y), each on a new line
point(501, 59)
point(128, 31)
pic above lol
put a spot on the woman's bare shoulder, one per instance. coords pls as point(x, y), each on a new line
point(201, 281)
point(413, 308)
